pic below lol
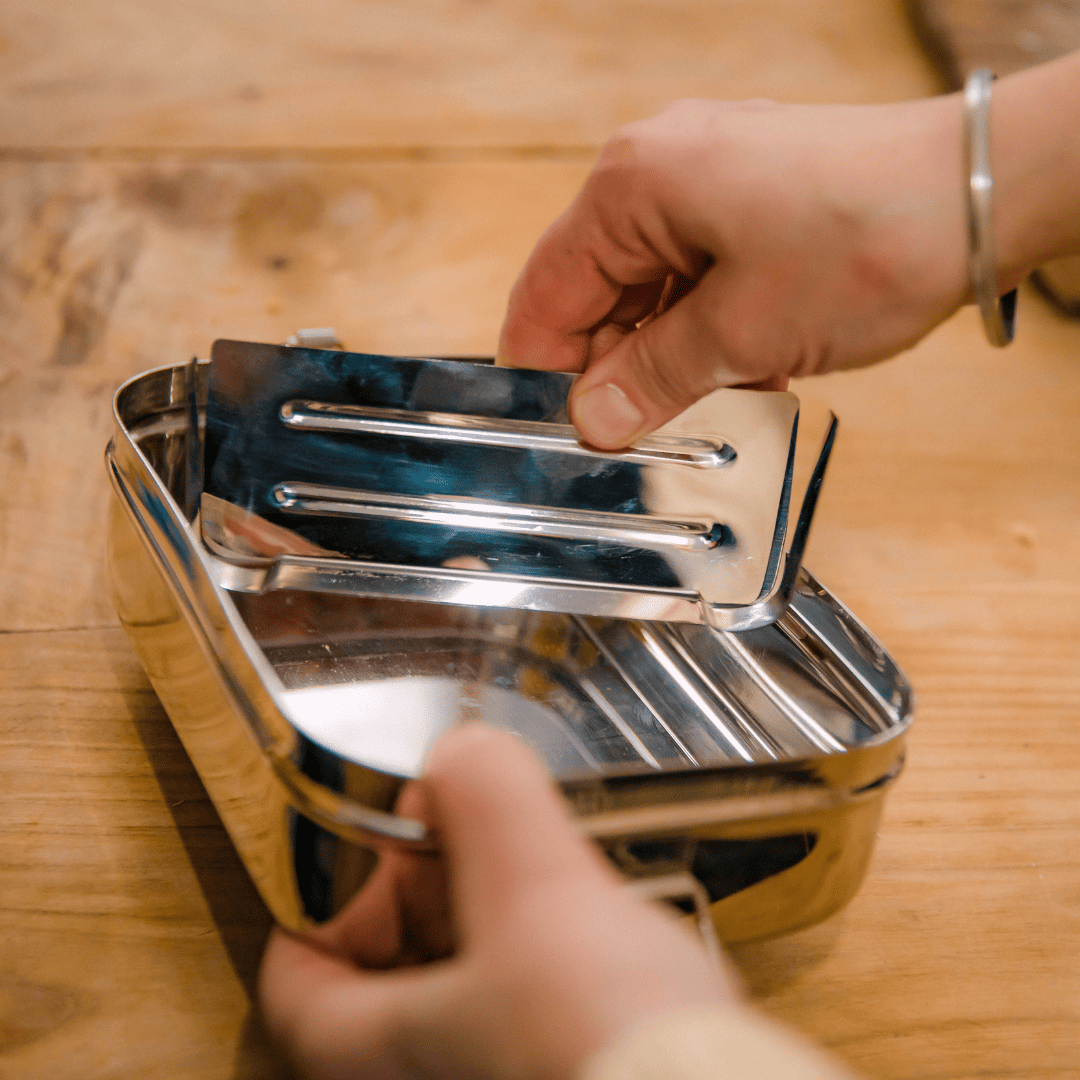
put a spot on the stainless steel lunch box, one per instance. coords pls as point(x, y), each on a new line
point(751, 764)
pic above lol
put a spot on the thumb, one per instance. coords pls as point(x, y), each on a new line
point(506, 831)
point(657, 371)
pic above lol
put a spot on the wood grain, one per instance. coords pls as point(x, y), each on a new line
point(958, 958)
point(385, 168)
point(138, 931)
point(116, 268)
point(1003, 35)
point(423, 74)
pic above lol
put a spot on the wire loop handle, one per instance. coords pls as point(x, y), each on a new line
point(998, 312)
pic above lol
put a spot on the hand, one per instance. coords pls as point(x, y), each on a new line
point(727, 244)
point(546, 956)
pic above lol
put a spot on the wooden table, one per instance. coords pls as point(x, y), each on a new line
point(174, 173)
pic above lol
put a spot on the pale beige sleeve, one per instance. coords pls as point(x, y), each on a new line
point(734, 1043)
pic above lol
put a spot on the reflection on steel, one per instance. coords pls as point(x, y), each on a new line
point(462, 512)
point(479, 431)
point(754, 763)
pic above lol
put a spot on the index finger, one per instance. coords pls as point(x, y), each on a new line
point(578, 273)
point(559, 296)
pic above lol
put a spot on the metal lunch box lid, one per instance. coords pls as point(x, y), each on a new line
point(463, 483)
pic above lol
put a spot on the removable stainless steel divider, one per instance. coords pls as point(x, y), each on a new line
point(754, 762)
point(407, 467)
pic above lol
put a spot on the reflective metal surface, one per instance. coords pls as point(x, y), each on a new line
point(408, 468)
point(754, 762)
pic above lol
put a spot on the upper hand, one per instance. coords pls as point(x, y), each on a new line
point(722, 244)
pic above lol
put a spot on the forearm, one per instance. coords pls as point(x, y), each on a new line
point(1035, 161)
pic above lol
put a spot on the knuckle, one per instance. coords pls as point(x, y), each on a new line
point(636, 145)
point(621, 149)
point(614, 175)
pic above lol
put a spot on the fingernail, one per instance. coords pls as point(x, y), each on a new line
point(606, 417)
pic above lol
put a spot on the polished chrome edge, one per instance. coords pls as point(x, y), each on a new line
point(193, 448)
point(807, 510)
point(480, 588)
point(678, 817)
point(444, 585)
point(241, 671)
point(769, 608)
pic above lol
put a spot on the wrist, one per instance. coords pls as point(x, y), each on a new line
point(1035, 164)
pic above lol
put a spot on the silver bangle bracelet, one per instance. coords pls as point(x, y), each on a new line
point(998, 312)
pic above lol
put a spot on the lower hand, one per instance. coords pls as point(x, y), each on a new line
point(520, 955)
